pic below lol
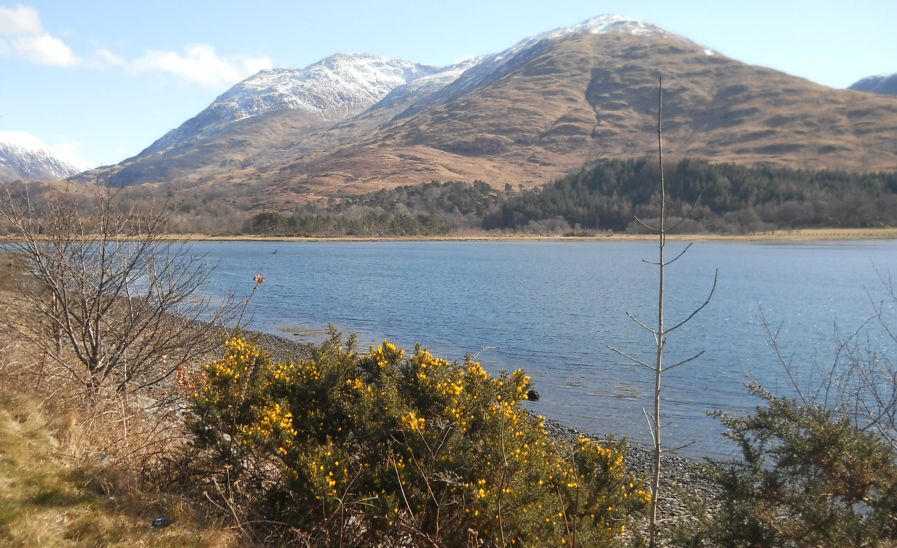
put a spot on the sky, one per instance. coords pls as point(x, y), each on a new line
point(98, 81)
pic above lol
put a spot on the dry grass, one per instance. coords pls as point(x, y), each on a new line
point(79, 472)
point(49, 498)
point(803, 234)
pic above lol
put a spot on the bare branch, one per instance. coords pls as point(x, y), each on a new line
point(698, 309)
point(631, 358)
point(679, 448)
point(651, 426)
point(645, 226)
point(681, 253)
point(126, 303)
point(685, 361)
point(668, 263)
point(641, 324)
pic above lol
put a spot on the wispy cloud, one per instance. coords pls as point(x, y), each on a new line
point(22, 35)
point(105, 58)
point(199, 64)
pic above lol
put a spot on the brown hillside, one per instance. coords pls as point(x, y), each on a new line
point(585, 98)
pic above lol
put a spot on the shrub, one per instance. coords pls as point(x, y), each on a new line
point(380, 448)
point(810, 477)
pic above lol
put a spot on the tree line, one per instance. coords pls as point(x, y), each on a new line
point(715, 197)
point(724, 198)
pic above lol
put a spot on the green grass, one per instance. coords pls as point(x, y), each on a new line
point(47, 501)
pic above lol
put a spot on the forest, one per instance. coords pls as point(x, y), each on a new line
point(719, 198)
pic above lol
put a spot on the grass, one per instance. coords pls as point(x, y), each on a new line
point(45, 500)
point(54, 491)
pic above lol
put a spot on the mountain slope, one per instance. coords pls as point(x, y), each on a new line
point(330, 90)
point(22, 157)
point(228, 133)
point(535, 111)
point(884, 84)
point(587, 97)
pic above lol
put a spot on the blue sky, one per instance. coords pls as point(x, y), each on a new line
point(101, 80)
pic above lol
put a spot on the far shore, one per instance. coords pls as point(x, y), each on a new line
point(807, 234)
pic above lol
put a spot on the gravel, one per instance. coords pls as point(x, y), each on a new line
point(682, 480)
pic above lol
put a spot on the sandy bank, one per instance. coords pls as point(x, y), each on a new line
point(808, 234)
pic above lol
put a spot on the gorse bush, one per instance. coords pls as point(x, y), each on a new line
point(383, 448)
point(809, 477)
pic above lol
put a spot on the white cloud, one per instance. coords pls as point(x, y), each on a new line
point(107, 58)
point(65, 151)
point(23, 35)
point(199, 64)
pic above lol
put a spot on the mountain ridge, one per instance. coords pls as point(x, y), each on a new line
point(23, 157)
point(532, 112)
point(883, 84)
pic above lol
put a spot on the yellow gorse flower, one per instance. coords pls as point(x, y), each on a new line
point(414, 423)
point(386, 353)
point(323, 429)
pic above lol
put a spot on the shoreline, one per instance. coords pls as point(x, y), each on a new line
point(804, 234)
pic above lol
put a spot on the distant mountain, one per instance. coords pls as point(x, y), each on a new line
point(273, 107)
point(23, 157)
point(884, 84)
point(333, 89)
point(535, 111)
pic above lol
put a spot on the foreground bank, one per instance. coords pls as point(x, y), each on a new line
point(286, 443)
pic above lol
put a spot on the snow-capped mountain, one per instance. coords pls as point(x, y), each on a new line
point(24, 157)
point(884, 84)
point(333, 89)
point(494, 66)
point(534, 111)
point(344, 85)
point(420, 89)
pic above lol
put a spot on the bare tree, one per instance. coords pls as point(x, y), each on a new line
point(860, 380)
point(658, 368)
point(118, 305)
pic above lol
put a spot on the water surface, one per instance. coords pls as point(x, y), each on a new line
point(553, 308)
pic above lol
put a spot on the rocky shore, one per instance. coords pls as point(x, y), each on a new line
point(682, 480)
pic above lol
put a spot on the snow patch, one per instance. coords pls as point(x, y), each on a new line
point(24, 156)
point(24, 143)
point(603, 24)
point(336, 87)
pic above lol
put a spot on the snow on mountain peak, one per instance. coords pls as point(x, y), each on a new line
point(884, 84)
point(24, 156)
point(604, 24)
point(335, 87)
point(343, 85)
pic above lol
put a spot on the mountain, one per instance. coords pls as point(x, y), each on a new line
point(23, 157)
point(885, 84)
point(535, 111)
point(328, 91)
point(232, 129)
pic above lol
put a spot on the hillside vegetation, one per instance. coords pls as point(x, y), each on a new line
point(526, 116)
point(722, 198)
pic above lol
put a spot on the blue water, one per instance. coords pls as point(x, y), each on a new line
point(553, 308)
